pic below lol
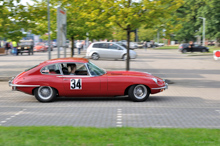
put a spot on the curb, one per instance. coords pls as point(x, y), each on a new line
point(4, 79)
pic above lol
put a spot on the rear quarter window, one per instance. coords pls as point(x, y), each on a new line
point(95, 46)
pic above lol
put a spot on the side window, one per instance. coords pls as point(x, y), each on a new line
point(103, 45)
point(51, 69)
point(74, 69)
point(95, 46)
point(113, 46)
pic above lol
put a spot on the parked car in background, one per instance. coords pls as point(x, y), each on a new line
point(54, 44)
point(51, 46)
point(159, 44)
point(211, 43)
point(40, 47)
point(133, 45)
point(122, 44)
point(109, 50)
point(140, 44)
point(53, 78)
point(25, 46)
point(196, 48)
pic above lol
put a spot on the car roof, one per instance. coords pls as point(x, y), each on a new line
point(61, 60)
point(104, 42)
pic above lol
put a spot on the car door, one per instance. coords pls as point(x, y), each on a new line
point(196, 48)
point(80, 84)
point(115, 51)
point(102, 50)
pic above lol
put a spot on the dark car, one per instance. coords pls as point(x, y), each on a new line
point(25, 46)
point(196, 48)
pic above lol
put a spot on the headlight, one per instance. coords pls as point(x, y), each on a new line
point(155, 80)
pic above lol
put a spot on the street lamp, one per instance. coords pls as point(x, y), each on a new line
point(203, 33)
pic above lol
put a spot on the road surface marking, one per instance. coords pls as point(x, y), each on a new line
point(13, 116)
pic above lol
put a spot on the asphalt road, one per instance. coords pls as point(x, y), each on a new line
point(193, 100)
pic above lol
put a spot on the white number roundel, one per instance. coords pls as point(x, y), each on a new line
point(75, 84)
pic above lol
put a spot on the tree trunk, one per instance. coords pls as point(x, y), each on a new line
point(128, 49)
point(72, 46)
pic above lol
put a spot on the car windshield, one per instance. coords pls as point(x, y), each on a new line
point(94, 70)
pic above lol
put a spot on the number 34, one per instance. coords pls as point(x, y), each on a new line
point(76, 84)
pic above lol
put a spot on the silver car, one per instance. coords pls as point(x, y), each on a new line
point(108, 50)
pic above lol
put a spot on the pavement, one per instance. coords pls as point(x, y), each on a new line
point(192, 101)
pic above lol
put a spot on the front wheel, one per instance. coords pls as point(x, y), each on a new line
point(124, 57)
point(45, 94)
point(138, 93)
point(204, 50)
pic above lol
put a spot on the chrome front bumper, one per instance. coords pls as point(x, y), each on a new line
point(10, 82)
point(11, 85)
point(164, 87)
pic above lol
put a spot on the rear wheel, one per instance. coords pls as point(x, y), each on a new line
point(138, 93)
point(45, 94)
point(184, 51)
point(95, 56)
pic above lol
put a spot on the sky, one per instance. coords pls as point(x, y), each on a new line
point(25, 1)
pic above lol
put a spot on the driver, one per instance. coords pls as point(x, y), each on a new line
point(73, 69)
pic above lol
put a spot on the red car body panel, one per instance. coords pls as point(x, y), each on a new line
point(113, 83)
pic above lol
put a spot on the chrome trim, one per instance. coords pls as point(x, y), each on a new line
point(16, 85)
point(164, 87)
point(10, 81)
point(86, 64)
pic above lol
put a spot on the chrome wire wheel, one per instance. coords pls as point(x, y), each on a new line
point(140, 91)
point(45, 92)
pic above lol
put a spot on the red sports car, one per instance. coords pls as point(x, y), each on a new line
point(40, 47)
point(53, 78)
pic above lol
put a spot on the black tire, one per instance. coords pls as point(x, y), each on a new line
point(45, 94)
point(184, 51)
point(204, 50)
point(95, 56)
point(138, 93)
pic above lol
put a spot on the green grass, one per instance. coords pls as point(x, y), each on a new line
point(168, 47)
point(56, 136)
point(213, 48)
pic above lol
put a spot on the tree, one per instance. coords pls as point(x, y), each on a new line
point(130, 15)
point(78, 24)
point(189, 14)
point(13, 20)
point(146, 34)
point(210, 10)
